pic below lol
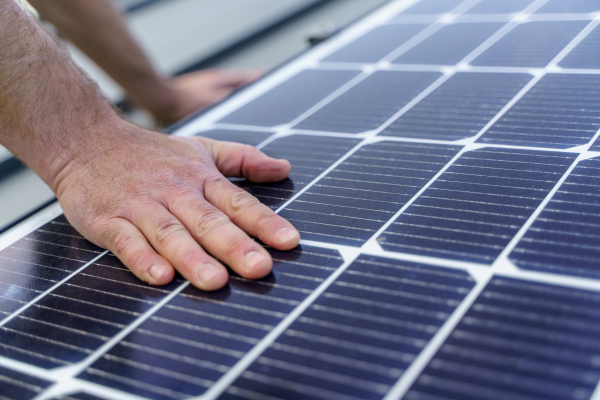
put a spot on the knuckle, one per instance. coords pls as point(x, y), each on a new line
point(122, 243)
point(166, 230)
point(262, 222)
point(241, 201)
point(235, 244)
point(209, 221)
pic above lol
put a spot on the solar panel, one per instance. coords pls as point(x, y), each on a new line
point(531, 44)
point(18, 386)
point(519, 340)
point(445, 180)
point(460, 107)
point(450, 44)
point(499, 7)
point(560, 111)
point(370, 103)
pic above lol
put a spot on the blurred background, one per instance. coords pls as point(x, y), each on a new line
point(186, 35)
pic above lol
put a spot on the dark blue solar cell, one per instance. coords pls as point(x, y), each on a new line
point(359, 336)
point(565, 237)
point(354, 200)
point(31, 266)
point(586, 54)
point(519, 340)
point(449, 45)
point(595, 146)
point(252, 138)
point(433, 6)
point(309, 157)
point(459, 108)
point(79, 396)
point(18, 386)
point(473, 210)
point(376, 44)
point(570, 6)
point(531, 44)
point(286, 102)
point(197, 336)
point(370, 103)
point(560, 111)
point(499, 7)
point(79, 316)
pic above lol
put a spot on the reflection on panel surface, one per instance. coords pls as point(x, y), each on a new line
point(519, 340)
point(252, 138)
point(570, 6)
point(449, 45)
point(370, 103)
point(17, 386)
point(459, 108)
point(360, 335)
point(309, 157)
point(290, 99)
point(531, 44)
point(354, 200)
point(433, 6)
point(81, 315)
point(560, 111)
point(565, 237)
point(197, 336)
point(376, 44)
point(585, 54)
point(499, 7)
point(472, 211)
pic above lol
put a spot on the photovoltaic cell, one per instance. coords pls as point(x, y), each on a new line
point(450, 44)
point(459, 108)
point(17, 386)
point(37, 262)
point(560, 111)
point(586, 54)
point(356, 340)
point(433, 6)
point(286, 102)
point(531, 44)
point(473, 210)
point(565, 237)
point(376, 44)
point(499, 7)
point(354, 200)
point(309, 157)
point(519, 340)
point(370, 103)
point(81, 315)
point(570, 6)
point(79, 396)
point(195, 338)
point(252, 138)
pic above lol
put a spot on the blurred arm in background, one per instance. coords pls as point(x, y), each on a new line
point(99, 29)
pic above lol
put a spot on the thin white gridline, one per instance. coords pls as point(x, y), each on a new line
point(282, 132)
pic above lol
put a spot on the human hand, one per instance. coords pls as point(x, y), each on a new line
point(160, 203)
point(191, 92)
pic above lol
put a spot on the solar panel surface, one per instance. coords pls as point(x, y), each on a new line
point(445, 162)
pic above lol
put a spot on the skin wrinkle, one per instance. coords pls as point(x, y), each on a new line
point(145, 196)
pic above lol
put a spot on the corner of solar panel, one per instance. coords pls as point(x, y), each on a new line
point(445, 184)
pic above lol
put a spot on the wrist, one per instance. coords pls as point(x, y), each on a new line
point(79, 147)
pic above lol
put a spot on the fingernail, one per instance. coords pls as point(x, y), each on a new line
point(252, 259)
point(286, 235)
point(157, 271)
point(207, 272)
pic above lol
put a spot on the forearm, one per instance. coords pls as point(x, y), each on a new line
point(99, 29)
point(47, 106)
